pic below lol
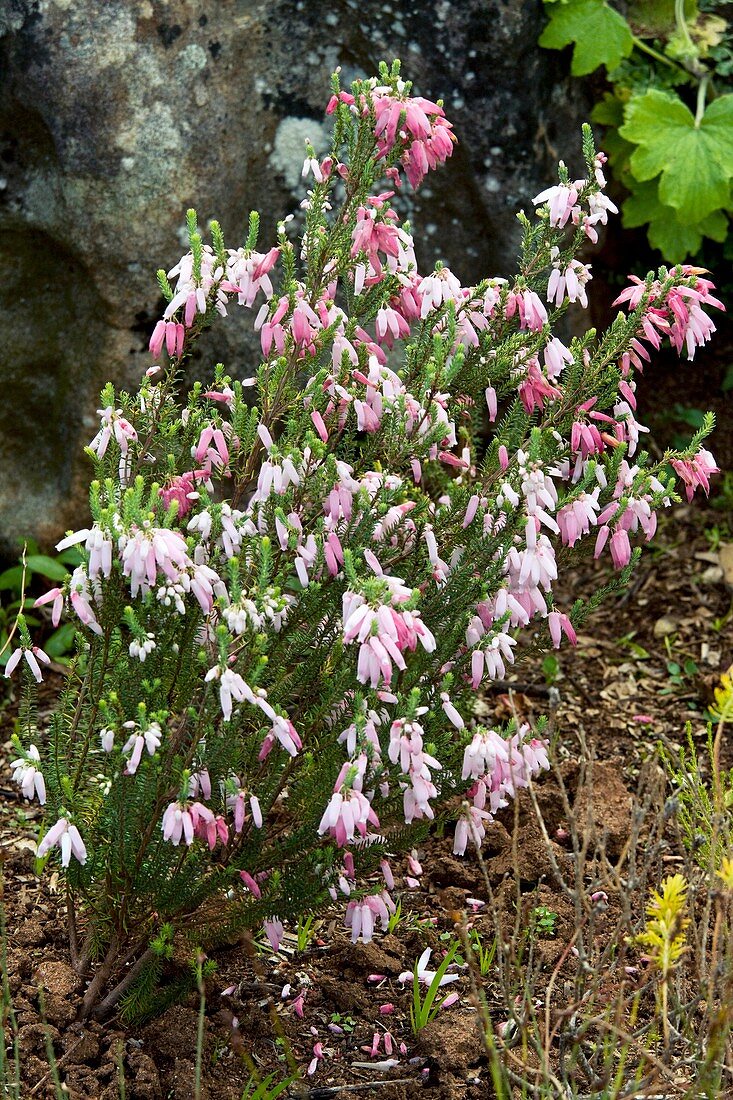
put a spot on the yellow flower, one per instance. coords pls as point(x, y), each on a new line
point(664, 935)
point(722, 709)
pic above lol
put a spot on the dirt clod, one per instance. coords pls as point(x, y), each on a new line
point(453, 1042)
point(606, 808)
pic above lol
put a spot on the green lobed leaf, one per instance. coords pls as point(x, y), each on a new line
point(47, 567)
point(676, 242)
point(609, 111)
point(600, 35)
point(666, 232)
point(11, 578)
point(715, 226)
point(695, 162)
point(652, 18)
point(61, 641)
point(72, 556)
point(643, 205)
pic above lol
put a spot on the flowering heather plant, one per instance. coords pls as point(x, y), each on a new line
point(296, 582)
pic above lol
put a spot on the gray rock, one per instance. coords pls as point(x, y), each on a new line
point(116, 115)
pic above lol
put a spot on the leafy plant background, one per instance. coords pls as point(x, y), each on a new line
point(667, 113)
point(20, 584)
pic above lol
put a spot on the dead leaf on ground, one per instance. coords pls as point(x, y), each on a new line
point(725, 559)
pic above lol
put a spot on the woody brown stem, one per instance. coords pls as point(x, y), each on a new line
point(100, 978)
point(105, 1006)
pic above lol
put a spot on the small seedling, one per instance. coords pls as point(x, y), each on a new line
point(266, 1089)
point(306, 932)
point(346, 1023)
point(679, 670)
point(637, 651)
point(714, 537)
point(544, 921)
point(550, 669)
point(678, 673)
point(719, 623)
point(424, 1009)
point(484, 954)
point(394, 919)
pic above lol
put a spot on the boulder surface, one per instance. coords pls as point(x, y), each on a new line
point(117, 115)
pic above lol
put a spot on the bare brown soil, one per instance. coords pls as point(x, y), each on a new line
point(617, 700)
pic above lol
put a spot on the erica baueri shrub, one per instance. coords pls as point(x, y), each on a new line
point(296, 582)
